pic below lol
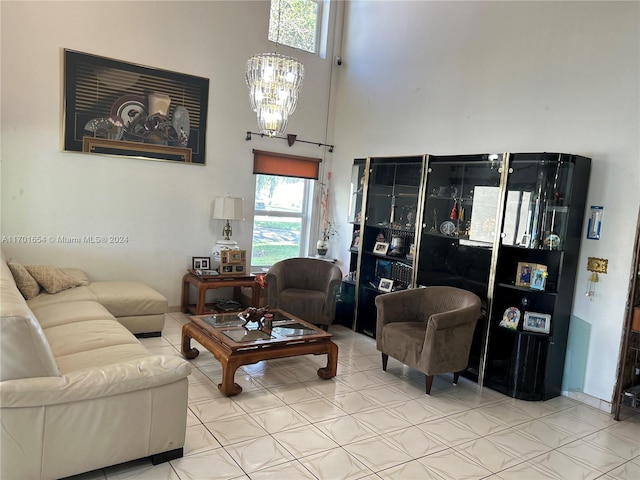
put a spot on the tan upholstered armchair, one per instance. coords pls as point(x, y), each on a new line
point(306, 288)
point(429, 329)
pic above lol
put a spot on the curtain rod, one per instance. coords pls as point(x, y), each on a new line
point(290, 138)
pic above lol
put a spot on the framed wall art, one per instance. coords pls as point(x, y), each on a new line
point(117, 108)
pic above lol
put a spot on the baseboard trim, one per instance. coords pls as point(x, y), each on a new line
point(594, 402)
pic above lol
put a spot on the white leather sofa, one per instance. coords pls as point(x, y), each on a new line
point(78, 391)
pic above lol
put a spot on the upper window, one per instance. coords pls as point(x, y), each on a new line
point(295, 23)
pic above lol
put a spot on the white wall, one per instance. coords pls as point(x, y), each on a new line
point(163, 208)
point(474, 77)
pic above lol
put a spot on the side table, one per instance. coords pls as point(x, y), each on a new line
point(202, 284)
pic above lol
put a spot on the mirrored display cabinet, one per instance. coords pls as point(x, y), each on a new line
point(504, 226)
point(462, 209)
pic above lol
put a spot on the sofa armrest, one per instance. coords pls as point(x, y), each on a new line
point(90, 383)
point(275, 279)
point(453, 318)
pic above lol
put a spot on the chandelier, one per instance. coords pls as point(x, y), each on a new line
point(274, 81)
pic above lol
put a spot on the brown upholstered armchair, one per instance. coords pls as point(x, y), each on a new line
point(306, 288)
point(429, 329)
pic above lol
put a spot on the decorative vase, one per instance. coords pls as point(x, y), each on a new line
point(322, 247)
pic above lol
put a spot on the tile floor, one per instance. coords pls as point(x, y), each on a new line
point(365, 423)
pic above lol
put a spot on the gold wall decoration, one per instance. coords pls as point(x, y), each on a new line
point(597, 265)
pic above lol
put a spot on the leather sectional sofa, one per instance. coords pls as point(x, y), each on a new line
point(78, 391)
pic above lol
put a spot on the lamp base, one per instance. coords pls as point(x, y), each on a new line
point(221, 245)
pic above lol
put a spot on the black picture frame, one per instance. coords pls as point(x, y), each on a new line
point(200, 263)
point(96, 89)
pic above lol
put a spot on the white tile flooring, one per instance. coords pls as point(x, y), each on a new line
point(365, 423)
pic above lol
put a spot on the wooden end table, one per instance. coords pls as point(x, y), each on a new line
point(233, 345)
point(204, 283)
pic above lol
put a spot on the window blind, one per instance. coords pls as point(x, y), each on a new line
point(270, 163)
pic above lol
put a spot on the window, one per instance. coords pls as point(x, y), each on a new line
point(280, 222)
point(295, 23)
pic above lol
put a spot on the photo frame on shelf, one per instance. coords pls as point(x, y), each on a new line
point(380, 248)
point(355, 243)
point(385, 285)
point(538, 278)
point(200, 263)
point(537, 322)
point(233, 262)
point(510, 318)
point(523, 274)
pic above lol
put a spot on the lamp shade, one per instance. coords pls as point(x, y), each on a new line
point(228, 208)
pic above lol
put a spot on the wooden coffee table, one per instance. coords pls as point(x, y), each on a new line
point(233, 345)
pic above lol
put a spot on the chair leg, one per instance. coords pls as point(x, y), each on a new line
point(456, 376)
point(385, 359)
point(428, 383)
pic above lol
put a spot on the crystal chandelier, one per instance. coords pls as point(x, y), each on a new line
point(274, 81)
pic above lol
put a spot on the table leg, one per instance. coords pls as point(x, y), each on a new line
point(255, 297)
point(200, 305)
point(185, 295)
point(228, 385)
point(187, 351)
point(332, 362)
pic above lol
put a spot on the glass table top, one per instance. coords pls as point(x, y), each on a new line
point(283, 327)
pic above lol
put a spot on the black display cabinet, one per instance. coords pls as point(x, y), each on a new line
point(504, 226)
point(461, 211)
point(535, 274)
point(385, 193)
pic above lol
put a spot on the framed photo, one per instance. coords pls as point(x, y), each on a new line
point(233, 262)
point(383, 268)
point(380, 248)
point(385, 285)
point(510, 318)
point(355, 243)
point(538, 279)
point(537, 322)
point(523, 274)
point(233, 256)
point(200, 263)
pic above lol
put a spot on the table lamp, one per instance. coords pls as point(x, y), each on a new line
point(227, 209)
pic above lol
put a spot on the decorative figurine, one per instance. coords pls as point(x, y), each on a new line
point(253, 314)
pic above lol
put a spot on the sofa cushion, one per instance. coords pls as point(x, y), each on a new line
point(53, 279)
point(78, 275)
point(24, 281)
point(77, 294)
point(101, 357)
point(128, 298)
point(70, 312)
point(89, 335)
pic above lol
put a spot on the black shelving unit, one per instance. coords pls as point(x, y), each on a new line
point(540, 230)
point(385, 192)
point(473, 220)
point(461, 209)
